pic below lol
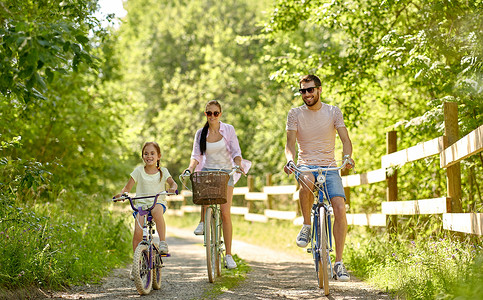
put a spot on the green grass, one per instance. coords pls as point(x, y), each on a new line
point(53, 245)
point(228, 280)
point(427, 268)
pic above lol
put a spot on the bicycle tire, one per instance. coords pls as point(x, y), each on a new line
point(314, 244)
point(323, 261)
point(219, 248)
point(157, 266)
point(143, 275)
point(210, 237)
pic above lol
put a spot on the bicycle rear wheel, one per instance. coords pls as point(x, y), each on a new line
point(323, 261)
point(210, 238)
point(141, 271)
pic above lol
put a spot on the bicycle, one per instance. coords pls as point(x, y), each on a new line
point(209, 188)
point(147, 260)
point(321, 241)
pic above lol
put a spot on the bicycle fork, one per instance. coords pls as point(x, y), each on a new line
point(319, 249)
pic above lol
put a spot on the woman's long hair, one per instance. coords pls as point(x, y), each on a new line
point(156, 146)
point(204, 132)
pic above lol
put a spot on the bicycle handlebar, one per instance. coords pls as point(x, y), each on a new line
point(292, 166)
point(125, 197)
point(234, 169)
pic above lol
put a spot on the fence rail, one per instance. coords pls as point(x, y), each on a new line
point(449, 206)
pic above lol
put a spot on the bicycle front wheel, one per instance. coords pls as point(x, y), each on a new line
point(141, 270)
point(210, 238)
point(219, 244)
point(157, 265)
point(323, 260)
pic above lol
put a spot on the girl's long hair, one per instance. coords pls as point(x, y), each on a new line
point(204, 131)
point(156, 146)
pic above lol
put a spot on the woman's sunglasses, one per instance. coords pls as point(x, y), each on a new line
point(210, 113)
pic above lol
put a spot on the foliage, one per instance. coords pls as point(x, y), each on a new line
point(40, 39)
point(197, 52)
point(424, 268)
point(388, 65)
point(77, 101)
point(60, 93)
point(51, 245)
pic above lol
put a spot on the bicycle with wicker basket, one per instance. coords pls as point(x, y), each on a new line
point(209, 189)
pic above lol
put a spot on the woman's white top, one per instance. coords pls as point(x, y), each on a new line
point(217, 156)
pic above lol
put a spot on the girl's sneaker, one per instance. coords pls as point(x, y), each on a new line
point(163, 247)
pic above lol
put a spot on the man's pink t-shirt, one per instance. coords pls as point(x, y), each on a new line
point(315, 133)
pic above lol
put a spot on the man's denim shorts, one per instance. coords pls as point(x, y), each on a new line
point(333, 182)
point(231, 181)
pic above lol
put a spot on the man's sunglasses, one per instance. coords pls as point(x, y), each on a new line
point(210, 113)
point(309, 90)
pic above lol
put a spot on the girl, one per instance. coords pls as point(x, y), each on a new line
point(216, 148)
point(151, 179)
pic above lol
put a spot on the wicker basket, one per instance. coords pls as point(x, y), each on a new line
point(209, 187)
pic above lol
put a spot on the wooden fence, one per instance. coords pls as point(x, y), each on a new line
point(451, 151)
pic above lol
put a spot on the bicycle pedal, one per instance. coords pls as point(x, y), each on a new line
point(166, 255)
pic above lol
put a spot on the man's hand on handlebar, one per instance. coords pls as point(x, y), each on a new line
point(287, 168)
point(350, 162)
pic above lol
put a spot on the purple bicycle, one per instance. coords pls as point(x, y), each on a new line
point(147, 261)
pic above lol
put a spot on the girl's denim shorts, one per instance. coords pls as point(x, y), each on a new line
point(231, 181)
point(333, 182)
point(135, 213)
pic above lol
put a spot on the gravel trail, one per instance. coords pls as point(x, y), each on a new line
point(273, 275)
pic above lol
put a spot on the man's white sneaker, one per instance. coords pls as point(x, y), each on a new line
point(341, 272)
point(230, 263)
point(303, 237)
point(163, 247)
point(199, 229)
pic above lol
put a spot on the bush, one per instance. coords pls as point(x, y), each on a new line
point(416, 269)
point(47, 246)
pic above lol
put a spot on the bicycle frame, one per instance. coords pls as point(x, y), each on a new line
point(316, 209)
point(320, 248)
point(151, 270)
point(213, 244)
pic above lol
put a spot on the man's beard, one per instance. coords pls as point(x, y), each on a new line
point(314, 99)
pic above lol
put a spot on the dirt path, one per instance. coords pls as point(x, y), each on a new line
point(274, 276)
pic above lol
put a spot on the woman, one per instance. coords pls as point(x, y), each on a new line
point(216, 148)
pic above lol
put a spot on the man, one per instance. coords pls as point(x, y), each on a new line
point(313, 126)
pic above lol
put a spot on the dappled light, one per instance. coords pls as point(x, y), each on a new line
point(81, 90)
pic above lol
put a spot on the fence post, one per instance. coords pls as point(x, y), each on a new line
point(251, 188)
point(250, 183)
point(391, 193)
point(453, 173)
point(268, 182)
